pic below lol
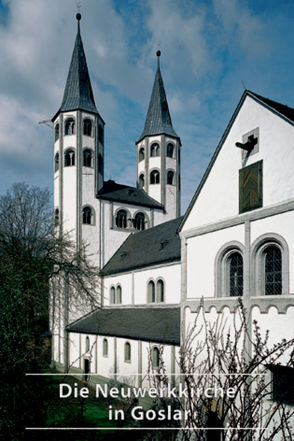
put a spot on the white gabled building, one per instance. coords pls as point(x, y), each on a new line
point(236, 238)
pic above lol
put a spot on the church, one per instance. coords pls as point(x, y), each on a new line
point(235, 239)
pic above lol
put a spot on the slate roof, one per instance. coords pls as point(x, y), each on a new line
point(158, 120)
point(111, 191)
point(149, 247)
point(279, 109)
point(158, 325)
point(78, 93)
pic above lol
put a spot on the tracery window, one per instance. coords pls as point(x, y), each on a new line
point(69, 126)
point(155, 150)
point(139, 221)
point(154, 177)
point(272, 270)
point(235, 263)
point(69, 158)
point(121, 219)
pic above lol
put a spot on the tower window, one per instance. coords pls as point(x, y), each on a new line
point(56, 132)
point(87, 158)
point(87, 129)
point(105, 347)
point(154, 177)
point(155, 150)
point(56, 162)
point(69, 158)
point(236, 274)
point(155, 358)
point(56, 217)
point(101, 134)
point(170, 150)
point(69, 126)
point(127, 352)
point(151, 292)
point(141, 154)
point(139, 221)
point(273, 270)
point(160, 291)
point(141, 180)
point(121, 219)
point(170, 177)
point(88, 216)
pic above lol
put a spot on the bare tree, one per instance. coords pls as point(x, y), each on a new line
point(226, 356)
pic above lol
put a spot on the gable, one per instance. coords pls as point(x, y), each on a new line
point(217, 196)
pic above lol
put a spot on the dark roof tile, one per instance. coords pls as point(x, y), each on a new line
point(159, 325)
point(150, 247)
point(112, 191)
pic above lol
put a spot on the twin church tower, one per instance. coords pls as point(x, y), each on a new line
point(102, 214)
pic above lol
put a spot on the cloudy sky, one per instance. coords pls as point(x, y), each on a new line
point(210, 50)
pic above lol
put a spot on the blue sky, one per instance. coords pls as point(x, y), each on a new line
point(209, 49)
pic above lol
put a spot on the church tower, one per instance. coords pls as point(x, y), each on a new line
point(158, 152)
point(78, 151)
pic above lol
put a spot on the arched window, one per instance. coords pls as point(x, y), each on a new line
point(88, 216)
point(154, 177)
point(105, 347)
point(141, 154)
point(87, 345)
point(121, 219)
point(112, 295)
point(139, 221)
point(69, 158)
point(87, 130)
point(155, 150)
point(151, 292)
point(170, 177)
point(118, 294)
point(69, 126)
point(272, 270)
point(141, 180)
point(155, 358)
point(56, 162)
point(235, 266)
point(127, 352)
point(56, 217)
point(159, 291)
point(87, 158)
point(170, 150)
point(56, 132)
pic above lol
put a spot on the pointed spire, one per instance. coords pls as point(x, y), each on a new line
point(78, 92)
point(158, 120)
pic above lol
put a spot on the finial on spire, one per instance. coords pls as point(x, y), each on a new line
point(158, 53)
point(78, 15)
